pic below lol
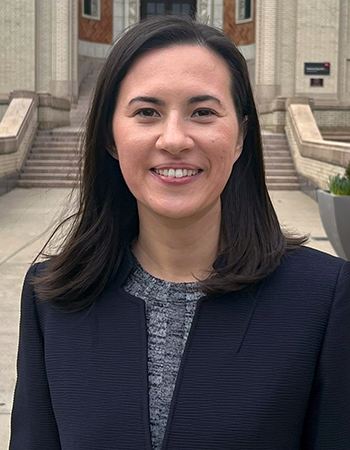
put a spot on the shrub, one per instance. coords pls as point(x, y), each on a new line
point(340, 185)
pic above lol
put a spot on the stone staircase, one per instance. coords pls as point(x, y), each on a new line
point(280, 172)
point(53, 160)
point(54, 157)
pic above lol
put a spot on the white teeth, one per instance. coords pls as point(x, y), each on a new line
point(176, 173)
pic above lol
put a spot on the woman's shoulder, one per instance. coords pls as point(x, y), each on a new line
point(312, 259)
point(312, 268)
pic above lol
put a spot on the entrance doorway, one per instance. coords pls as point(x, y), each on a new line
point(151, 8)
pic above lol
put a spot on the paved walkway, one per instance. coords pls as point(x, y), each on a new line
point(26, 219)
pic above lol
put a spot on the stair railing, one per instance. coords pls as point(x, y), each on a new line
point(314, 158)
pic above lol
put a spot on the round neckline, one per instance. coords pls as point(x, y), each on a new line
point(183, 285)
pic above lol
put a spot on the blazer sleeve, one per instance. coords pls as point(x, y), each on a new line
point(33, 425)
point(327, 425)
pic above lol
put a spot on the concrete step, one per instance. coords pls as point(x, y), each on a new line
point(54, 163)
point(280, 166)
point(281, 179)
point(56, 139)
point(46, 184)
point(278, 159)
point(272, 152)
point(276, 146)
point(49, 176)
point(55, 156)
point(280, 173)
point(69, 150)
point(61, 132)
point(50, 169)
point(283, 187)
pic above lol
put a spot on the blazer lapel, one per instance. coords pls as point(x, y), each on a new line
point(206, 373)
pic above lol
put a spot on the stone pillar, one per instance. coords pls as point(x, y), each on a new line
point(61, 49)
point(267, 87)
point(286, 48)
point(43, 45)
point(344, 53)
point(74, 13)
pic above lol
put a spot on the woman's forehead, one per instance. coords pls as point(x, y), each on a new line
point(181, 67)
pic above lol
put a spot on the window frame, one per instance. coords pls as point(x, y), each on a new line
point(87, 16)
point(250, 19)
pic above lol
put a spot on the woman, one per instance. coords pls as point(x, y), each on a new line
point(177, 315)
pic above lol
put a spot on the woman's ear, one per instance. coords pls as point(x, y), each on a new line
point(112, 150)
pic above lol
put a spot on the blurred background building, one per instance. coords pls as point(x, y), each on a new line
point(298, 55)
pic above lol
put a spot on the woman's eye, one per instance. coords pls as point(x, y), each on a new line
point(147, 112)
point(203, 113)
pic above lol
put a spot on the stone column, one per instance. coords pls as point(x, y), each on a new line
point(74, 50)
point(61, 49)
point(43, 46)
point(267, 87)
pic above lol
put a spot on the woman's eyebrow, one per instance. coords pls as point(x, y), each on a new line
point(158, 102)
point(142, 98)
point(203, 98)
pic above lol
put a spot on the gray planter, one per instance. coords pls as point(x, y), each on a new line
point(335, 216)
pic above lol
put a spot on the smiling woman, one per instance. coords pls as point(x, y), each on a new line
point(177, 314)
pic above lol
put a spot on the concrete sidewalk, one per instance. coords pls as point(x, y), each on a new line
point(27, 217)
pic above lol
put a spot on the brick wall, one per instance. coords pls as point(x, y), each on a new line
point(241, 34)
point(99, 31)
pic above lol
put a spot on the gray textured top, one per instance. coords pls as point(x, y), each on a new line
point(170, 309)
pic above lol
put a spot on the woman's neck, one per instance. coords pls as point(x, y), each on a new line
point(178, 250)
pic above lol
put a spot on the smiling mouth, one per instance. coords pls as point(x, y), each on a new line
point(176, 173)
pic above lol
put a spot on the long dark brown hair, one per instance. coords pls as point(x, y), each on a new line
point(251, 240)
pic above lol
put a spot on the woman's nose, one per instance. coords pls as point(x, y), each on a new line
point(174, 136)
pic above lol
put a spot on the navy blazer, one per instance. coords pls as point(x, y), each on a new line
point(265, 369)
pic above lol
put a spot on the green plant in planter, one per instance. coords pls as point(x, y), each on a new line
point(340, 185)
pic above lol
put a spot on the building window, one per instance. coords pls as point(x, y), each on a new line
point(91, 9)
point(244, 11)
point(151, 8)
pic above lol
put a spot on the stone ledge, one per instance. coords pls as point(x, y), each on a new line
point(309, 139)
point(16, 120)
point(47, 100)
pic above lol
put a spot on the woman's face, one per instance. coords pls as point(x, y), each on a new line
point(176, 131)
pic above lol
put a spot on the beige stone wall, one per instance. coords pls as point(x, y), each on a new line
point(344, 53)
point(317, 41)
point(290, 33)
point(17, 31)
point(332, 118)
